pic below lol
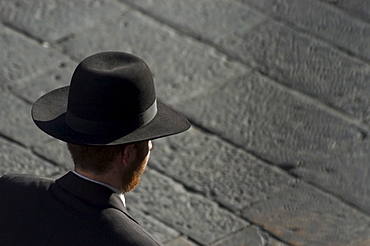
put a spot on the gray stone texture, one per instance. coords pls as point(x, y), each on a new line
point(302, 215)
point(16, 122)
point(181, 66)
point(53, 20)
point(15, 159)
point(55, 151)
point(22, 57)
point(180, 242)
point(30, 89)
point(320, 19)
point(345, 174)
point(263, 118)
point(306, 65)
point(210, 19)
point(250, 236)
point(160, 231)
point(190, 214)
point(216, 169)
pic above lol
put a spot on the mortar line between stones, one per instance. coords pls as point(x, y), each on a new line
point(23, 33)
point(188, 238)
point(19, 96)
point(334, 111)
point(13, 141)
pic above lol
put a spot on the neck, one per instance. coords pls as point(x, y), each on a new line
point(106, 178)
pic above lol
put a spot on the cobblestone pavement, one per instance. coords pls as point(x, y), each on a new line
point(278, 92)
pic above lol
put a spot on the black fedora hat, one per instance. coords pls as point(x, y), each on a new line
point(111, 100)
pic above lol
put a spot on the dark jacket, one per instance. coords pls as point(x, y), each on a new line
point(68, 211)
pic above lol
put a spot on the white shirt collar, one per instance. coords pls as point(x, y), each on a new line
point(117, 191)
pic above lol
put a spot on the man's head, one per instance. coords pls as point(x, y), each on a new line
point(128, 161)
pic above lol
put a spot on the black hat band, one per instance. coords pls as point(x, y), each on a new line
point(93, 127)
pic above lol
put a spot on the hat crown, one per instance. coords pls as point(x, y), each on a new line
point(111, 86)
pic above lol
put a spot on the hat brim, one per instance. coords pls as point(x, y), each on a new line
point(49, 114)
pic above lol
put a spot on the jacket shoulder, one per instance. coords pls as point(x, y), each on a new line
point(129, 231)
point(22, 181)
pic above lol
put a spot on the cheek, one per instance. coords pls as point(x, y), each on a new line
point(148, 155)
point(145, 154)
point(143, 158)
point(144, 162)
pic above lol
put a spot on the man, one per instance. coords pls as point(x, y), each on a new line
point(107, 116)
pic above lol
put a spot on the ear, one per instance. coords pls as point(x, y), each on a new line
point(126, 154)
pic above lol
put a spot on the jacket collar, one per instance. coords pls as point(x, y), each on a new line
point(90, 191)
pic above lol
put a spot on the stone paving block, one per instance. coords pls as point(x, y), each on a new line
point(21, 57)
point(345, 174)
point(180, 242)
point(55, 151)
point(190, 214)
point(306, 65)
point(302, 215)
point(55, 19)
point(15, 159)
point(321, 19)
point(208, 19)
point(250, 236)
point(357, 8)
point(263, 118)
point(31, 89)
point(216, 169)
point(181, 66)
point(160, 231)
point(16, 122)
